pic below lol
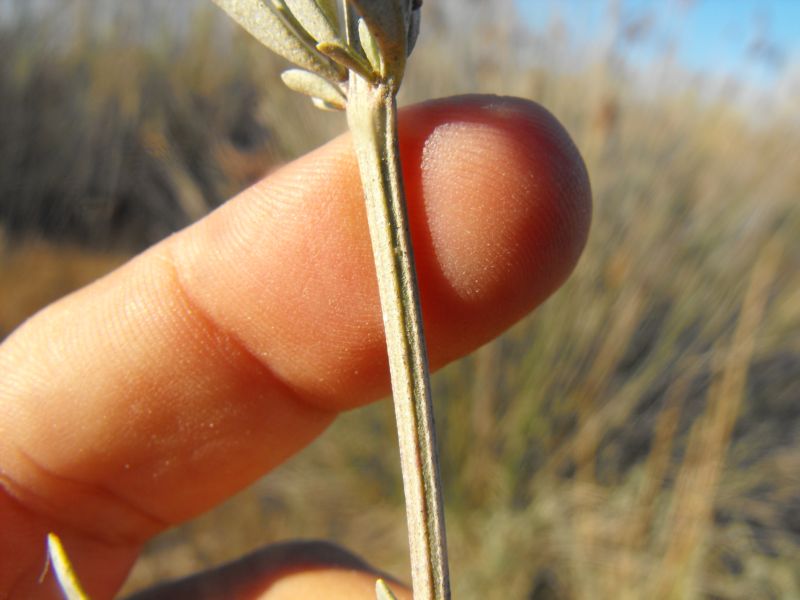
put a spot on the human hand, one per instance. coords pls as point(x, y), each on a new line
point(154, 394)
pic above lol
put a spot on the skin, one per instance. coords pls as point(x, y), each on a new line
point(238, 340)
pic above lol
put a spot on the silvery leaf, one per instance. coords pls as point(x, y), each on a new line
point(261, 21)
point(323, 105)
point(285, 13)
point(348, 58)
point(369, 45)
point(315, 19)
point(64, 571)
point(329, 7)
point(388, 22)
point(315, 86)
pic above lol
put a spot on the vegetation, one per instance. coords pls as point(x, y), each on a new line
point(637, 437)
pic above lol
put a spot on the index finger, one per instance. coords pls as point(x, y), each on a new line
point(162, 389)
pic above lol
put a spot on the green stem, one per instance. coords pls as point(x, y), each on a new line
point(372, 116)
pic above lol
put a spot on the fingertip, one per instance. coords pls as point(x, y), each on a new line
point(500, 208)
point(236, 341)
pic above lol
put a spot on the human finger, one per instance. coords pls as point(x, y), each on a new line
point(162, 389)
point(285, 571)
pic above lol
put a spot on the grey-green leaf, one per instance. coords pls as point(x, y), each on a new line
point(369, 45)
point(322, 105)
point(261, 21)
point(315, 19)
point(329, 7)
point(388, 22)
point(315, 86)
point(347, 57)
point(65, 572)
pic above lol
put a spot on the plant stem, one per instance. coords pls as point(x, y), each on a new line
point(372, 116)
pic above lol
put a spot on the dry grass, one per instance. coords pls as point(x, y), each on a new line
point(637, 436)
point(35, 273)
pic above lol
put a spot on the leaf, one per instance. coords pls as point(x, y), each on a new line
point(388, 21)
point(315, 86)
point(369, 45)
point(382, 591)
point(348, 58)
point(322, 105)
point(329, 7)
point(316, 19)
point(285, 13)
point(262, 22)
point(65, 573)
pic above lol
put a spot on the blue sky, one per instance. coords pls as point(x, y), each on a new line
point(751, 39)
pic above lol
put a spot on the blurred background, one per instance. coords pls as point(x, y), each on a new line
point(638, 437)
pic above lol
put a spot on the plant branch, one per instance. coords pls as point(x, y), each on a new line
point(372, 116)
